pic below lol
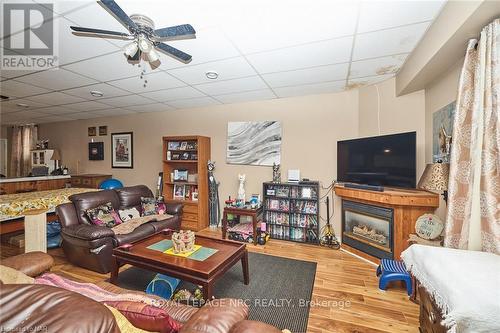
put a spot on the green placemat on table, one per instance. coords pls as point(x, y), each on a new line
point(201, 255)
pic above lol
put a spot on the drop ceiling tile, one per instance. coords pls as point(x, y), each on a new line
point(309, 89)
point(51, 119)
point(232, 86)
point(56, 79)
point(377, 66)
point(75, 48)
point(106, 89)
point(113, 112)
point(365, 81)
point(13, 88)
point(126, 101)
point(58, 110)
point(26, 115)
point(157, 107)
point(13, 104)
point(227, 69)
point(10, 74)
point(82, 115)
point(264, 25)
point(66, 7)
point(209, 45)
point(155, 81)
point(376, 15)
point(55, 98)
point(307, 76)
point(173, 94)
point(246, 96)
point(193, 102)
point(388, 42)
point(87, 106)
point(106, 68)
point(313, 54)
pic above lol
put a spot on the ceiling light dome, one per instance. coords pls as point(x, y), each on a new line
point(212, 75)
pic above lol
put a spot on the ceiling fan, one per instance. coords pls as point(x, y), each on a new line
point(145, 39)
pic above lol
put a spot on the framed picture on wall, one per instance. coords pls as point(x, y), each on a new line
point(122, 150)
point(91, 131)
point(96, 151)
point(103, 130)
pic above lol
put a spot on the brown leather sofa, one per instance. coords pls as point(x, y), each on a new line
point(91, 246)
point(26, 307)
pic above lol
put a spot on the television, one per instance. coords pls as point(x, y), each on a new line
point(386, 160)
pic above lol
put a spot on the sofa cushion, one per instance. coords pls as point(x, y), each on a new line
point(123, 324)
point(104, 215)
point(140, 232)
point(26, 307)
point(31, 263)
point(84, 201)
point(146, 317)
point(131, 196)
point(128, 214)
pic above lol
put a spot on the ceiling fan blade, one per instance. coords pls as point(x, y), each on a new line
point(184, 31)
point(174, 53)
point(118, 13)
point(101, 33)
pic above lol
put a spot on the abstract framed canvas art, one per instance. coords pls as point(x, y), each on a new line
point(254, 143)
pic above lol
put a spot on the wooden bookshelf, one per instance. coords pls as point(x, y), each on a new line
point(187, 154)
point(291, 211)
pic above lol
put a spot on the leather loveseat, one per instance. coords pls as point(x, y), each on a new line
point(30, 307)
point(91, 246)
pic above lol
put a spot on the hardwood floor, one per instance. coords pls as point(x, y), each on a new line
point(346, 297)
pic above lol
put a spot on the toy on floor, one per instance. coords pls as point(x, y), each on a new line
point(393, 270)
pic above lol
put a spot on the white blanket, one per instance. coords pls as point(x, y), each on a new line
point(464, 284)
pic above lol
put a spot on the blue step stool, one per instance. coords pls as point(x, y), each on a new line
point(393, 270)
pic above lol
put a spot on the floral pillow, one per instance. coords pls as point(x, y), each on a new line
point(151, 206)
point(104, 215)
point(128, 214)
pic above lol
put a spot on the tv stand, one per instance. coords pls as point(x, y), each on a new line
point(365, 187)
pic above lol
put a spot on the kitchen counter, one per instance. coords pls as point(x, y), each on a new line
point(31, 179)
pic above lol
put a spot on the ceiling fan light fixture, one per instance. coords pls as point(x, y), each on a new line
point(153, 55)
point(144, 44)
point(212, 75)
point(131, 49)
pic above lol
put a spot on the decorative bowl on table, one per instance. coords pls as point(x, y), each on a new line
point(183, 241)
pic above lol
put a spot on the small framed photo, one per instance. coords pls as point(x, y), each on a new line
point(103, 130)
point(185, 156)
point(183, 145)
point(194, 195)
point(187, 192)
point(270, 191)
point(173, 145)
point(122, 150)
point(191, 145)
point(176, 156)
point(92, 131)
point(179, 192)
point(193, 156)
point(180, 175)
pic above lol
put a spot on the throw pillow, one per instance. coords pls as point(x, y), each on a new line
point(128, 214)
point(151, 206)
point(148, 206)
point(146, 317)
point(123, 324)
point(104, 215)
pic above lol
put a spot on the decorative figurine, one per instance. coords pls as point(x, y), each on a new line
point(276, 173)
point(241, 189)
point(183, 241)
point(213, 196)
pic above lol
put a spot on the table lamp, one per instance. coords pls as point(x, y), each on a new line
point(56, 158)
point(435, 179)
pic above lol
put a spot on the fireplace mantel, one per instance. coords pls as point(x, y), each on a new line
point(407, 205)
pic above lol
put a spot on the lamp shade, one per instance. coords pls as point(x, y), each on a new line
point(435, 177)
point(55, 155)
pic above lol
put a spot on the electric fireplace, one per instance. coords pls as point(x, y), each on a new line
point(368, 228)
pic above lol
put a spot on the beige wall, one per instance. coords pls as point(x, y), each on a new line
point(397, 114)
point(311, 127)
point(438, 94)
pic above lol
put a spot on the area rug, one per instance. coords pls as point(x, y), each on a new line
point(279, 292)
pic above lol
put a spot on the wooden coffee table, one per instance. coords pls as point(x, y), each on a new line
point(203, 273)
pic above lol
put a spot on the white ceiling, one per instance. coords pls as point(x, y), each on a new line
point(261, 49)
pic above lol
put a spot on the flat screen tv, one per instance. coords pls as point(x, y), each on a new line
point(387, 160)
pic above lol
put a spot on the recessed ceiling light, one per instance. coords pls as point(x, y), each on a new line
point(96, 93)
point(212, 75)
point(23, 105)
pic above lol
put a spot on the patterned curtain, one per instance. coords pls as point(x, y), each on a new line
point(473, 220)
point(23, 140)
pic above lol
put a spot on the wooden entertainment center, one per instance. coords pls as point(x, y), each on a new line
point(404, 207)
